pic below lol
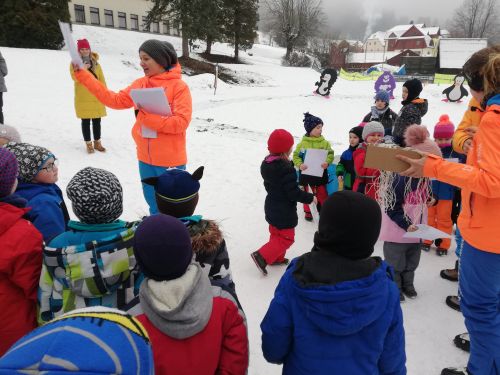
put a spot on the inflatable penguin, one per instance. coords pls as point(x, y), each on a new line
point(457, 91)
point(325, 83)
point(385, 82)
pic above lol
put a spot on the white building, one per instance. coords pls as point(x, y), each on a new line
point(120, 14)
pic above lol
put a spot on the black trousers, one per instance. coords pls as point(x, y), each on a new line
point(1, 106)
point(96, 129)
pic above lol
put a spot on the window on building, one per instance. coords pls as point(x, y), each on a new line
point(418, 43)
point(177, 28)
point(155, 27)
point(134, 22)
point(122, 20)
point(94, 16)
point(108, 17)
point(166, 27)
point(145, 26)
point(79, 13)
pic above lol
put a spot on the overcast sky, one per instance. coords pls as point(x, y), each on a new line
point(357, 18)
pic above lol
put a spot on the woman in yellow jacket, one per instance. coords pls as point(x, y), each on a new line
point(479, 276)
point(167, 147)
point(87, 106)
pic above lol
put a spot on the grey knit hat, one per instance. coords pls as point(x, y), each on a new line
point(96, 196)
point(10, 133)
point(30, 158)
point(161, 52)
point(372, 127)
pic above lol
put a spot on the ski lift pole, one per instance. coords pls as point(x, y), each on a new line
point(216, 77)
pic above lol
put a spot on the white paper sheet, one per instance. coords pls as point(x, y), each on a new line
point(152, 100)
point(426, 232)
point(70, 44)
point(314, 158)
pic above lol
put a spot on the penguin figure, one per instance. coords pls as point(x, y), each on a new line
point(457, 91)
point(326, 81)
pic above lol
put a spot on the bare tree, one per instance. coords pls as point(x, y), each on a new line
point(295, 20)
point(476, 19)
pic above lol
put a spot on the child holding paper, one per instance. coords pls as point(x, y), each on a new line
point(167, 148)
point(373, 133)
point(283, 193)
point(407, 208)
point(313, 140)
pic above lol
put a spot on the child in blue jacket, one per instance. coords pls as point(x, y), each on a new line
point(336, 309)
point(38, 174)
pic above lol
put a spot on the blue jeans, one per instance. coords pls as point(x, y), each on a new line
point(148, 170)
point(479, 280)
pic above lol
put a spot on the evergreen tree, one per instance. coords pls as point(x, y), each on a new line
point(32, 23)
point(242, 17)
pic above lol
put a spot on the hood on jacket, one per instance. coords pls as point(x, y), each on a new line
point(9, 215)
point(29, 190)
point(422, 105)
point(347, 307)
point(206, 236)
point(181, 307)
point(93, 269)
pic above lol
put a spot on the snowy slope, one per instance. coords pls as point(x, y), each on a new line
point(228, 136)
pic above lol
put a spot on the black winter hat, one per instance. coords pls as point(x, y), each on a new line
point(414, 87)
point(358, 130)
point(96, 196)
point(162, 247)
point(310, 122)
point(349, 225)
point(161, 52)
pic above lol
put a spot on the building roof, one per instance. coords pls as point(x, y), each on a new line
point(380, 35)
point(431, 30)
point(454, 52)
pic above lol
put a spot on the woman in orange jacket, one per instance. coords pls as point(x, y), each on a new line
point(166, 149)
point(479, 179)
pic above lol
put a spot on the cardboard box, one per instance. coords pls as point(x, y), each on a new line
point(384, 158)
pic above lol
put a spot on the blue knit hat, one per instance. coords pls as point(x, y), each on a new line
point(176, 191)
point(383, 96)
point(93, 340)
point(162, 247)
point(9, 170)
point(310, 122)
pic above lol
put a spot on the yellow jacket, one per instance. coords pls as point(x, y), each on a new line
point(86, 104)
point(468, 126)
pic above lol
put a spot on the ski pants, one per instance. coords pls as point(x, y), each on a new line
point(279, 242)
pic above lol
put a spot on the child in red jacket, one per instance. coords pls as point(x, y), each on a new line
point(20, 258)
point(194, 328)
point(373, 133)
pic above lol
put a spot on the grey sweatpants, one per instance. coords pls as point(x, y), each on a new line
point(404, 258)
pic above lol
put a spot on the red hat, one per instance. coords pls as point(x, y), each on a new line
point(82, 43)
point(280, 141)
point(444, 128)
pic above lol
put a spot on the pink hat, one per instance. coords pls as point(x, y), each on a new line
point(82, 43)
point(417, 137)
point(444, 128)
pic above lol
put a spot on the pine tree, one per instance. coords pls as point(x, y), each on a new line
point(32, 23)
point(241, 30)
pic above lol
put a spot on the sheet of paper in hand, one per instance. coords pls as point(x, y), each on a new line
point(152, 100)
point(70, 44)
point(426, 232)
point(313, 159)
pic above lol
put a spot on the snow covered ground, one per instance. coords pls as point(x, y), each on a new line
point(228, 136)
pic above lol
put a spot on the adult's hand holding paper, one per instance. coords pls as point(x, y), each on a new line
point(314, 158)
point(426, 232)
point(70, 44)
point(151, 100)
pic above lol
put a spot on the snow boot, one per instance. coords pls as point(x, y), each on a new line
point(462, 341)
point(450, 274)
point(90, 148)
point(260, 262)
point(440, 251)
point(410, 292)
point(308, 216)
point(455, 371)
point(283, 262)
point(425, 247)
point(98, 146)
point(453, 302)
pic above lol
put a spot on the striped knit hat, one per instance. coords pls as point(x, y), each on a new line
point(94, 340)
point(30, 158)
point(176, 191)
point(8, 172)
point(96, 196)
